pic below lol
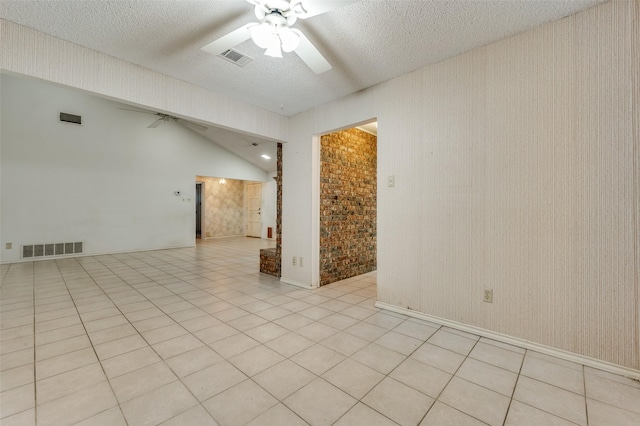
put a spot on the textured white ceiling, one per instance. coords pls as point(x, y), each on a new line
point(367, 42)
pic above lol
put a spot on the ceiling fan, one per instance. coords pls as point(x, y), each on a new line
point(274, 30)
point(166, 117)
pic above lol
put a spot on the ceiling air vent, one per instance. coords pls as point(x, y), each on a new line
point(70, 118)
point(236, 57)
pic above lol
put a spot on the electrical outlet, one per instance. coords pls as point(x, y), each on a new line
point(8, 246)
point(487, 296)
point(300, 261)
point(294, 261)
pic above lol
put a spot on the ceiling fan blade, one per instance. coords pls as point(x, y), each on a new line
point(311, 56)
point(137, 110)
point(318, 7)
point(230, 40)
point(191, 124)
point(156, 123)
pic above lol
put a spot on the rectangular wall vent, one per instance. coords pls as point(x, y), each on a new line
point(70, 118)
point(236, 57)
point(30, 251)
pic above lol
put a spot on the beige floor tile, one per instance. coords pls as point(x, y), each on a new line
point(398, 342)
point(487, 375)
point(196, 416)
point(316, 331)
point(77, 406)
point(318, 359)
point(384, 320)
point(239, 404)
point(16, 377)
point(194, 360)
point(443, 415)
point(230, 314)
point(476, 401)
point(554, 360)
point(217, 332)
point(59, 334)
point(23, 418)
point(417, 330)
point(402, 404)
point(438, 357)
point(289, 344)
point(605, 414)
point(129, 361)
point(43, 327)
point(141, 381)
point(12, 333)
point(120, 346)
point(553, 374)
point(62, 347)
point(273, 313)
point(63, 384)
point(111, 417)
point(265, 332)
point(379, 358)
point(353, 378)
point(61, 363)
point(320, 403)
point(422, 377)
point(161, 334)
point(452, 342)
point(255, 360)
point(233, 345)
point(199, 323)
point(214, 379)
point(361, 415)
point(612, 392)
point(143, 314)
point(277, 415)
point(358, 312)
point(15, 400)
point(497, 356)
point(103, 323)
point(344, 343)
point(525, 415)
point(158, 405)
point(559, 402)
point(247, 322)
point(294, 321)
point(113, 333)
point(60, 313)
point(283, 379)
point(99, 314)
point(176, 346)
point(154, 323)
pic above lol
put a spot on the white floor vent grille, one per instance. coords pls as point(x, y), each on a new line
point(51, 249)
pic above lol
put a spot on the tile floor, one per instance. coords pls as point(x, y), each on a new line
point(196, 336)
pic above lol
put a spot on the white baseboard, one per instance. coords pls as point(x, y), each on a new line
point(558, 353)
point(296, 283)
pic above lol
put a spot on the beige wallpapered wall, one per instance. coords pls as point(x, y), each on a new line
point(223, 207)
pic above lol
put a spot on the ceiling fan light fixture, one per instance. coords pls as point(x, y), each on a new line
point(262, 35)
point(274, 48)
point(290, 39)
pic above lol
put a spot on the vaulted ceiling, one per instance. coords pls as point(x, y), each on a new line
point(366, 42)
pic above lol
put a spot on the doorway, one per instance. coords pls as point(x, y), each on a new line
point(198, 209)
point(254, 211)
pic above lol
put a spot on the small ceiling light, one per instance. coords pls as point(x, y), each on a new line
point(265, 156)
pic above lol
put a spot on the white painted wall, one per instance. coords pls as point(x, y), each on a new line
point(109, 182)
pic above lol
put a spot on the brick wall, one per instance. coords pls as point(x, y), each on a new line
point(271, 259)
point(347, 205)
